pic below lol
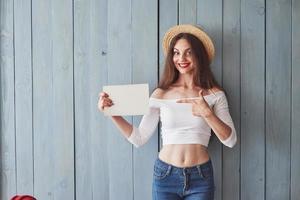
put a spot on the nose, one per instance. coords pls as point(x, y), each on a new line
point(182, 57)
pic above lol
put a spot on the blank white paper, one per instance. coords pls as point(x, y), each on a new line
point(128, 100)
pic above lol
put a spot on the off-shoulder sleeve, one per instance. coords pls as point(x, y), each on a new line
point(141, 134)
point(222, 111)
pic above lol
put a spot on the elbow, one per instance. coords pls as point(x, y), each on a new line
point(135, 138)
point(231, 140)
point(232, 143)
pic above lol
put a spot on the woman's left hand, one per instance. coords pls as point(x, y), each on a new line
point(200, 107)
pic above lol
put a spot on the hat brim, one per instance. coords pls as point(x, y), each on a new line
point(191, 29)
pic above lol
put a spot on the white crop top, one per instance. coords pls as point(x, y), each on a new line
point(179, 125)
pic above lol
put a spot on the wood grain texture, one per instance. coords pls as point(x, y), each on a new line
point(187, 11)
point(83, 96)
point(295, 107)
point(7, 106)
point(252, 100)
point(232, 83)
point(278, 99)
point(53, 99)
point(42, 98)
point(90, 74)
point(23, 97)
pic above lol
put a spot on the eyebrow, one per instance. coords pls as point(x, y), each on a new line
point(184, 50)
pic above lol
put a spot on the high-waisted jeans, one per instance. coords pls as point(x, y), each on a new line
point(188, 183)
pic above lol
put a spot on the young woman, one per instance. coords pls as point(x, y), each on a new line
point(189, 103)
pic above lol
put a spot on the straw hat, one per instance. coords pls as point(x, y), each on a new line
point(194, 30)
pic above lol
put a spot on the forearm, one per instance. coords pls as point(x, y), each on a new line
point(221, 129)
point(124, 127)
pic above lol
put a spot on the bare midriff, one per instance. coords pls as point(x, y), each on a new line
point(184, 155)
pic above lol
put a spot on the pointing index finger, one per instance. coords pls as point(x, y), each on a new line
point(185, 101)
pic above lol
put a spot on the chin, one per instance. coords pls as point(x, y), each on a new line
point(185, 71)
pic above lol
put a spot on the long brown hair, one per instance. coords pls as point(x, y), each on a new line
point(202, 76)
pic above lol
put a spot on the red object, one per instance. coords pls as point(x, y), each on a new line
point(23, 197)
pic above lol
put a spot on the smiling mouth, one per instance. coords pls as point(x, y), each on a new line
point(183, 65)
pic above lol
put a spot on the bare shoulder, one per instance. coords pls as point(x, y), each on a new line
point(216, 89)
point(158, 93)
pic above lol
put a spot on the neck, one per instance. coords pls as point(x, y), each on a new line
point(186, 81)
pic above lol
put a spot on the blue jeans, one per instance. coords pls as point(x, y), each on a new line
point(188, 183)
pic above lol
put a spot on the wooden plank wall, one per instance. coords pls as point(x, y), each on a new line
point(252, 121)
point(55, 56)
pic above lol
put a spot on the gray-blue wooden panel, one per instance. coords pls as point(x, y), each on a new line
point(90, 74)
point(295, 107)
point(82, 95)
point(187, 11)
point(53, 99)
point(23, 97)
point(252, 100)
point(231, 83)
point(98, 77)
point(7, 108)
point(144, 70)
point(42, 100)
point(209, 17)
point(119, 62)
point(278, 99)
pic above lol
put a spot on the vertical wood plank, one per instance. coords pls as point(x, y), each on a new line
point(252, 99)
point(23, 93)
point(42, 100)
point(98, 74)
point(53, 99)
point(295, 107)
point(144, 70)
point(187, 11)
point(83, 151)
point(63, 134)
point(209, 17)
point(231, 83)
point(168, 14)
point(7, 104)
point(119, 59)
point(90, 65)
point(278, 97)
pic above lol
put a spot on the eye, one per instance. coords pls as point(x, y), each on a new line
point(176, 53)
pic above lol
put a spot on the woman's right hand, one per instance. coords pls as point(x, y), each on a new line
point(104, 101)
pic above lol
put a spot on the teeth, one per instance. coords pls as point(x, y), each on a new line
point(183, 65)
